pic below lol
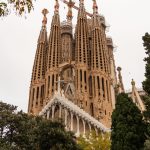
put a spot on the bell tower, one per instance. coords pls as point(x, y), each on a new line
point(37, 87)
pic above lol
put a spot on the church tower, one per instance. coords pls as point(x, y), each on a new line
point(83, 61)
point(53, 55)
point(100, 81)
point(81, 58)
point(37, 87)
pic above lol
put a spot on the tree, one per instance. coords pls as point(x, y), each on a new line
point(18, 6)
point(146, 83)
point(52, 135)
point(19, 131)
point(146, 87)
point(147, 145)
point(128, 127)
point(95, 142)
point(146, 44)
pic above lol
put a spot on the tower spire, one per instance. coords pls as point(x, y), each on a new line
point(69, 14)
point(81, 3)
point(95, 7)
point(82, 12)
point(56, 7)
point(121, 86)
point(136, 97)
point(44, 21)
point(53, 54)
point(37, 86)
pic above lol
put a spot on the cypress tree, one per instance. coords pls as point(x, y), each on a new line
point(146, 44)
point(146, 83)
point(128, 127)
point(146, 87)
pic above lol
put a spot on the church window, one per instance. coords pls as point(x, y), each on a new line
point(94, 85)
point(90, 85)
point(98, 82)
point(48, 81)
point(77, 79)
point(103, 88)
point(42, 91)
point(105, 112)
point(80, 75)
point(37, 93)
point(53, 80)
point(56, 80)
point(92, 109)
point(107, 90)
point(33, 94)
point(85, 76)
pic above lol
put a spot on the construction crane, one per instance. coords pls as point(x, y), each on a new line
point(72, 4)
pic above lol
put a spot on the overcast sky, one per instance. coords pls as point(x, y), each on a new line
point(128, 20)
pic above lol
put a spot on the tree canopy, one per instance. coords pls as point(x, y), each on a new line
point(146, 83)
point(17, 6)
point(146, 44)
point(128, 127)
point(146, 87)
point(19, 131)
point(94, 141)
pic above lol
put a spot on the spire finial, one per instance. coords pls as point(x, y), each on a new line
point(56, 6)
point(95, 7)
point(120, 79)
point(69, 14)
point(81, 3)
point(133, 82)
point(44, 12)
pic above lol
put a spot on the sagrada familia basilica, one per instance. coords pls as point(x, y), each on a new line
point(74, 74)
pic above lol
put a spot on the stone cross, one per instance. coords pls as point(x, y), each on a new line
point(59, 81)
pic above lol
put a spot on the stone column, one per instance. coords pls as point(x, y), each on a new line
point(60, 109)
point(89, 127)
point(66, 118)
point(96, 131)
point(53, 109)
point(78, 130)
point(83, 127)
point(48, 114)
point(71, 121)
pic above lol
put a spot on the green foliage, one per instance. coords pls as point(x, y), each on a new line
point(146, 113)
point(146, 44)
point(146, 83)
point(128, 127)
point(19, 131)
point(146, 87)
point(53, 135)
point(95, 142)
point(147, 144)
point(17, 6)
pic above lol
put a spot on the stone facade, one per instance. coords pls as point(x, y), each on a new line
point(83, 60)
